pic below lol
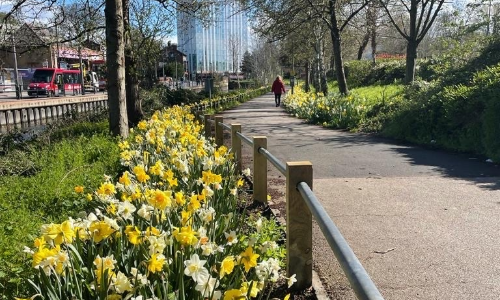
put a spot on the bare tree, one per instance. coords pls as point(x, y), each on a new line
point(115, 52)
point(234, 48)
point(412, 22)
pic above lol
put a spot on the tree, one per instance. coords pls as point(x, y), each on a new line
point(115, 52)
point(420, 15)
point(247, 65)
point(285, 17)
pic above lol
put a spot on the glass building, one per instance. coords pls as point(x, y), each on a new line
point(217, 47)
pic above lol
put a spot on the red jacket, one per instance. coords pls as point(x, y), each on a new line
point(278, 87)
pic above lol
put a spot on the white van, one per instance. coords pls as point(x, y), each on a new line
point(91, 82)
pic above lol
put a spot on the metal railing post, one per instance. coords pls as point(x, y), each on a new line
point(259, 170)
point(236, 146)
point(208, 126)
point(219, 131)
point(298, 225)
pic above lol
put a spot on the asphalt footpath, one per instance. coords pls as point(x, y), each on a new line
point(424, 223)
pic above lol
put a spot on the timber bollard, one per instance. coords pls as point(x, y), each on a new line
point(298, 225)
point(219, 131)
point(259, 170)
point(236, 146)
point(208, 126)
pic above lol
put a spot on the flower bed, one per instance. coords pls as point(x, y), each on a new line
point(171, 226)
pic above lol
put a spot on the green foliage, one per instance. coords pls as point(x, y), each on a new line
point(461, 117)
point(364, 72)
point(162, 96)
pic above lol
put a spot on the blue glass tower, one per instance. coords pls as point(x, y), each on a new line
point(217, 47)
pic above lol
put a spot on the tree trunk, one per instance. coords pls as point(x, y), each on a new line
point(411, 48)
point(337, 50)
point(307, 88)
point(411, 57)
point(115, 63)
point(372, 24)
point(339, 66)
point(322, 70)
point(374, 44)
point(134, 105)
point(316, 69)
point(364, 43)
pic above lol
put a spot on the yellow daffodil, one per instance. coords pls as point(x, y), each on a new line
point(100, 230)
point(106, 189)
point(156, 262)
point(186, 236)
point(249, 259)
point(160, 199)
point(234, 295)
point(227, 266)
point(133, 234)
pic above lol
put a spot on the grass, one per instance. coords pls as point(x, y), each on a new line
point(37, 187)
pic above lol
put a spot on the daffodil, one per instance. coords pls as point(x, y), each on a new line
point(195, 269)
point(156, 262)
point(249, 259)
point(226, 266)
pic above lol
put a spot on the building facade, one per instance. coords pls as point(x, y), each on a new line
point(38, 49)
point(217, 47)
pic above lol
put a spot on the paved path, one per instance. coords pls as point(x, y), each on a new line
point(424, 223)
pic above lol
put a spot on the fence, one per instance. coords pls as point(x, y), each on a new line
point(301, 206)
point(29, 113)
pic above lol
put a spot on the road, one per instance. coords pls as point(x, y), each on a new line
point(424, 223)
point(10, 96)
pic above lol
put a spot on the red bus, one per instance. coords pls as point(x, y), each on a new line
point(54, 82)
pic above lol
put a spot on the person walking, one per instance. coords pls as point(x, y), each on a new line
point(277, 88)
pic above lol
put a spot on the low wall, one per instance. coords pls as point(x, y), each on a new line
point(27, 113)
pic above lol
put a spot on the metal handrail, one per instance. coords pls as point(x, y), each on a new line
point(244, 138)
point(225, 126)
point(360, 281)
point(276, 162)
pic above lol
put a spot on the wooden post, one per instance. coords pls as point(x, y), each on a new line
point(298, 225)
point(208, 126)
point(236, 146)
point(259, 170)
point(219, 131)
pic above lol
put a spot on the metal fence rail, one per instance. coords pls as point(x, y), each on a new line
point(360, 281)
point(276, 162)
point(244, 139)
point(302, 206)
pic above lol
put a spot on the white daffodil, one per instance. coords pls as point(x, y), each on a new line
point(195, 269)
point(126, 210)
point(207, 286)
point(231, 237)
point(246, 172)
point(292, 280)
point(121, 283)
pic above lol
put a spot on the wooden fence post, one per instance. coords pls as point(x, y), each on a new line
point(259, 170)
point(219, 131)
point(298, 225)
point(208, 126)
point(236, 146)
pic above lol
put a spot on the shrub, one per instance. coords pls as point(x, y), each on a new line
point(365, 73)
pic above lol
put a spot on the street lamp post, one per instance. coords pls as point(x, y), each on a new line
point(18, 92)
point(82, 79)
